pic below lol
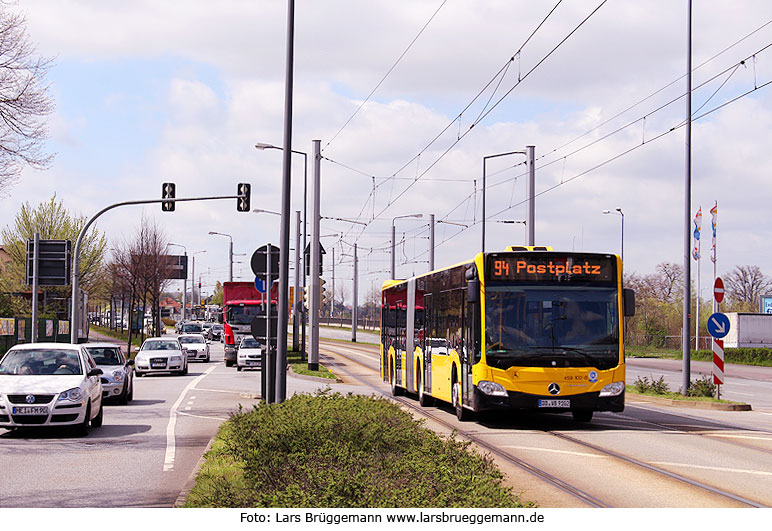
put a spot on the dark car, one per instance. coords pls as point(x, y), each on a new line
point(215, 333)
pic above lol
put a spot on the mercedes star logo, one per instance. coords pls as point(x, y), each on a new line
point(30, 399)
point(554, 389)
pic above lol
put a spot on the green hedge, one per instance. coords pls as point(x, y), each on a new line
point(330, 450)
point(742, 356)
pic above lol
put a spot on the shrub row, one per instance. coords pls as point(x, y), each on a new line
point(741, 356)
point(330, 450)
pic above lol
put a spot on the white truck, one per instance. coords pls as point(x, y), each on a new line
point(749, 330)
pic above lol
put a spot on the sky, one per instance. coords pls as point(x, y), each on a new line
point(406, 99)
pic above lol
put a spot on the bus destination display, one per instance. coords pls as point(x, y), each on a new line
point(550, 267)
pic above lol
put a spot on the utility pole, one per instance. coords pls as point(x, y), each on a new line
point(355, 308)
point(298, 302)
point(685, 332)
point(313, 357)
point(431, 242)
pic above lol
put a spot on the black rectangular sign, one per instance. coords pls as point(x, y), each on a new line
point(178, 267)
point(550, 267)
point(54, 262)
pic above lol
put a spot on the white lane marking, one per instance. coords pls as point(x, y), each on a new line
point(550, 450)
point(171, 449)
point(716, 468)
point(739, 436)
point(202, 416)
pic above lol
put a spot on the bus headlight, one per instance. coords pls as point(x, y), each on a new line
point(613, 389)
point(492, 388)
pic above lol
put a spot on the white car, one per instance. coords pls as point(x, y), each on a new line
point(196, 346)
point(161, 354)
point(50, 384)
point(249, 354)
point(117, 372)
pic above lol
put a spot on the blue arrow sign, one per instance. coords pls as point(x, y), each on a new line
point(718, 325)
point(260, 284)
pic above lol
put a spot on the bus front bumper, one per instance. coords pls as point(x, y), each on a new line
point(555, 404)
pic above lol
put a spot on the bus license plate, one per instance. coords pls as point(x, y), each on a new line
point(554, 403)
point(30, 410)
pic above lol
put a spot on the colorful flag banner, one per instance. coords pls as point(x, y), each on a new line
point(697, 228)
point(714, 215)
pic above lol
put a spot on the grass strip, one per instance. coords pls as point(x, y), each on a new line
point(331, 450)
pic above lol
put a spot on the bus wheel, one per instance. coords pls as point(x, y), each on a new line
point(461, 414)
point(395, 390)
point(423, 399)
point(582, 415)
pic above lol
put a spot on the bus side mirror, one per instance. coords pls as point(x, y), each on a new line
point(473, 291)
point(628, 300)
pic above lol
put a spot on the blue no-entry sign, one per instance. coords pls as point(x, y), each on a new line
point(718, 325)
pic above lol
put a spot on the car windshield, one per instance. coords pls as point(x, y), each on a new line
point(106, 355)
point(249, 342)
point(41, 362)
point(217, 328)
point(192, 327)
point(191, 339)
point(160, 345)
point(541, 326)
point(207, 325)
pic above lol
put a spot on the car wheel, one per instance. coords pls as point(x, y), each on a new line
point(96, 422)
point(130, 395)
point(238, 368)
point(123, 398)
point(83, 427)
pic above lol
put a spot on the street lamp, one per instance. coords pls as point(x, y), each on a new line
point(263, 211)
point(393, 231)
point(184, 281)
point(262, 147)
point(622, 252)
point(514, 221)
point(230, 252)
point(193, 279)
point(529, 153)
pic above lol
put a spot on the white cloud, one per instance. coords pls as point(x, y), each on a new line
point(207, 123)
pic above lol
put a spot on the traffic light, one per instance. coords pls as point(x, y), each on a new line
point(322, 292)
point(168, 192)
point(244, 191)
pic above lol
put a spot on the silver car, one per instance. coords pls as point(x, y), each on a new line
point(161, 354)
point(196, 347)
point(117, 372)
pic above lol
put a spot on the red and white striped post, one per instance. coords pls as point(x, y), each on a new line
point(718, 344)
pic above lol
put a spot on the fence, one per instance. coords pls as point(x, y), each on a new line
point(343, 322)
point(14, 331)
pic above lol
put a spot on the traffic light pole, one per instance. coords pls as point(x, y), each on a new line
point(75, 303)
point(313, 356)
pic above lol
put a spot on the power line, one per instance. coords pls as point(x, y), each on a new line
point(385, 75)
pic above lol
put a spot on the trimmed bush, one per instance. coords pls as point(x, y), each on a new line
point(330, 450)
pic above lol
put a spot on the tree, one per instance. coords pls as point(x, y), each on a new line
point(744, 286)
point(25, 101)
point(52, 222)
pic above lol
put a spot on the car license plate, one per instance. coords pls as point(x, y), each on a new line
point(554, 403)
point(156, 365)
point(30, 410)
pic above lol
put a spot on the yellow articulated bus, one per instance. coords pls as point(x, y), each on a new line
point(524, 329)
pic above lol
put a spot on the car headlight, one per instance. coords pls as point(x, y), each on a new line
point(613, 389)
point(492, 388)
point(74, 395)
point(175, 358)
point(117, 375)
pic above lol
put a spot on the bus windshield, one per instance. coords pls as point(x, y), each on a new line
point(544, 326)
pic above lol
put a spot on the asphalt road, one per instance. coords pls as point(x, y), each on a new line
point(143, 454)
